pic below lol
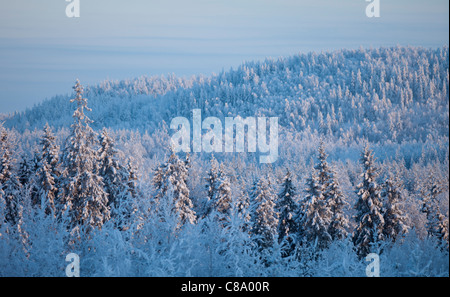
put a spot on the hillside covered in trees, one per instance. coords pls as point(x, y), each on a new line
point(362, 168)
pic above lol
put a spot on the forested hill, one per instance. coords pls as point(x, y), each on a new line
point(384, 94)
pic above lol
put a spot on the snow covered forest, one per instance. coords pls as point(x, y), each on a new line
point(363, 168)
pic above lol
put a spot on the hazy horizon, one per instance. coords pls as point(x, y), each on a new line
point(42, 51)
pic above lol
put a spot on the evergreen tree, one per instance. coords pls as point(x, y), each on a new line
point(223, 199)
point(50, 152)
point(27, 168)
point(48, 172)
point(316, 216)
point(242, 206)
point(369, 217)
point(264, 219)
point(46, 188)
point(324, 172)
point(332, 194)
point(2, 208)
point(442, 234)
point(8, 179)
point(26, 175)
point(113, 173)
point(84, 197)
point(5, 156)
point(394, 219)
point(287, 208)
point(437, 223)
point(12, 194)
point(336, 202)
point(211, 186)
point(173, 174)
point(126, 205)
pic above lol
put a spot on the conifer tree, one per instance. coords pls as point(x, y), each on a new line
point(324, 172)
point(12, 194)
point(8, 179)
point(113, 173)
point(26, 175)
point(264, 219)
point(46, 188)
point(223, 199)
point(332, 194)
point(5, 156)
point(369, 217)
point(287, 208)
point(437, 223)
point(48, 172)
point(211, 186)
point(27, 168)
point(394, 219)
point(336, 202)
point(316, 216)
point(173, 174)
point(50, 152)
point(84, 197)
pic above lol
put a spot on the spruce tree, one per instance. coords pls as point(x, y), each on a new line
point(8, 179)
point(46, 188)
point(332, 194)
point(437, 223)
point(12, 195)
point(113, 173)
point(264, 219)
point(211, 186)
point(50, 152)
point(324, 171)
point(223, 200)
point(173, 174)
point(26, 175)
point(336, 202)
point(316, 216)
point(127, 207)
point(84, 197)
point(5, 156)
point(287, 208)
point(394, 219)
point(48, 172)
point(369, 217)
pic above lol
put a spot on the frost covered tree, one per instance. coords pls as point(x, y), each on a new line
point(115, 176)
point(50, 151)
point(394, 219)
point(126, 208)
point(369, 208)
point(324, 171)
point(218, 192)
point(223, 199)
point(437, 223)
point(8, 179)
point(27, 175)
point(263, 217)
point(287, 208)
point(333, 196)
point(48, 172)
point(211, 186)
point(46, 188)
point(316, 215)
point(5, 155)
point(83, 194)
point(27, 168)
point(339, 223)
point(12, 195)
point(173, 174)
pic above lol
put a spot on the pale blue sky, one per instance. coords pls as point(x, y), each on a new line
point(42, 51)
